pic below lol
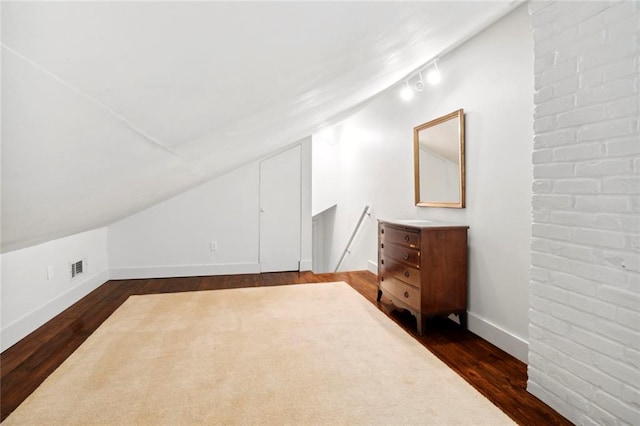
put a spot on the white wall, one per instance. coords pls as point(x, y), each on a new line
point(584, 356)
point(30, 298)
point(170, 239)
point(174, 238)
point(306, 224)
point(491, 77)
point(325, 171)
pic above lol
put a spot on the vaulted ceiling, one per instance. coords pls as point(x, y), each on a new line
point(110, 107)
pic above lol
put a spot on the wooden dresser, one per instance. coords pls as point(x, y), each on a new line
point(422, 267)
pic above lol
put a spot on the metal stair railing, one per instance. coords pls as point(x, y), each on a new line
point(365, 212)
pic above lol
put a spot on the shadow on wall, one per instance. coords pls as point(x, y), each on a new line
point(323, 229)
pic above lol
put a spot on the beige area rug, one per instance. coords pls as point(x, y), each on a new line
point(295, 354)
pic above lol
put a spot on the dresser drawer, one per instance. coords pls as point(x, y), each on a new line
point(399, 236)
point(401, 291)
point(390, 267)
point(402, 254)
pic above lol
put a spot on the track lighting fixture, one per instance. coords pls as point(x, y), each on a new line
point(419, 85)
point(434, 75)
point(406, 93)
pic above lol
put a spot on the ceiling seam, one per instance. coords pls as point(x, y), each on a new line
point(148, 138)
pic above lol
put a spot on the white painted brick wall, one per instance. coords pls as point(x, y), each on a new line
point(584, 333)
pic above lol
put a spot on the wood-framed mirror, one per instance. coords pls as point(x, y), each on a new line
point(438, 152)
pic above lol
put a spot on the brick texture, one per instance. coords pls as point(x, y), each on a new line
point(584, 333)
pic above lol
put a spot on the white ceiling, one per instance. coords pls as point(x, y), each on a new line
point(110, 107)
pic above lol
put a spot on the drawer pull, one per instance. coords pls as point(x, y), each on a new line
point(406, 274)
point(382, 231)
point(382, 261)
point(406, 238)
point(406, 294)
point(406, 256)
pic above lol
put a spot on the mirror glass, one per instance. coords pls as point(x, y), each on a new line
point(438, 149)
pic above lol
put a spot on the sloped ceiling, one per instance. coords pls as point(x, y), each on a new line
point(108, 108)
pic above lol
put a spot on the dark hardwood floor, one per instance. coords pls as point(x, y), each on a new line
point(496, 374)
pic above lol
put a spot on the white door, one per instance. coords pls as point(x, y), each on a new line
point(280, 212)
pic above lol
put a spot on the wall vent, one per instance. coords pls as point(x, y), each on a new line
point(77, 268)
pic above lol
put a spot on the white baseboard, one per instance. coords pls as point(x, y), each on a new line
point(20, 328)
point(372, 267)
point(306, 265)
point(508, 342)
point(130, 273)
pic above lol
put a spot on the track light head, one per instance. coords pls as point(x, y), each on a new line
point(434, 76)
point(406, 93)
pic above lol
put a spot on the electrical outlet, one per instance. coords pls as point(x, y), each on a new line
point(49, 272)
point(214, 246)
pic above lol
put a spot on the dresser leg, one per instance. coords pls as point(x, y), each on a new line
point(379, 295)
point(462, 316)
point(420, 323)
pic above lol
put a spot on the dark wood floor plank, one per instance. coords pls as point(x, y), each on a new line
point(496, 374)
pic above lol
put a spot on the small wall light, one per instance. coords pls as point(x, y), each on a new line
point(406, 93)
point(434, 76)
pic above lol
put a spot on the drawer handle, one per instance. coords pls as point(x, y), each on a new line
point(382, 231)
point(406, 256)
point(382, 261)
point(406, 274)
point(406, 238)
point(406, 294)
